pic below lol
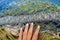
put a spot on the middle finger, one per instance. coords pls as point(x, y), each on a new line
point(30, 32)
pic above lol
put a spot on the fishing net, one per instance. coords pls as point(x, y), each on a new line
point(43, 13)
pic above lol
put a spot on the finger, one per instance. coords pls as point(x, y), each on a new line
point(25, 32)
point(35, 35)
point(30, 32)
point(20, 34)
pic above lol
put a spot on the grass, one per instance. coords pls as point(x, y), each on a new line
point(4, 35)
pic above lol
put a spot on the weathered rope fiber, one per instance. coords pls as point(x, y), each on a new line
point(28, 18)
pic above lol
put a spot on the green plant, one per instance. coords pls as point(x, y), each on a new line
point(4, 35)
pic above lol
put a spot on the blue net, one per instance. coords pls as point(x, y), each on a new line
point(22, 11)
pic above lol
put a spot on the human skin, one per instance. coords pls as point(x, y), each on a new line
point(28, 34)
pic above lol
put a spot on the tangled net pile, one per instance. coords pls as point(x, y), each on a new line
point(31, 8)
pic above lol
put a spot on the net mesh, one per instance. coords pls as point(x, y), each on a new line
point(17, 8)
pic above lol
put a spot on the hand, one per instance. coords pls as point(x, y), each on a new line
point(28, 34)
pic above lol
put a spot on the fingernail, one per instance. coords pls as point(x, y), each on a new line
point(20, 28)
point(27, 24)
point(32, 23)
point(38, 26)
